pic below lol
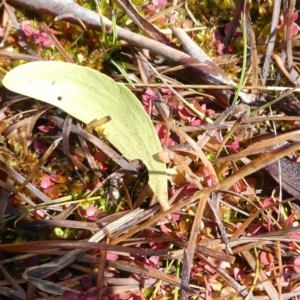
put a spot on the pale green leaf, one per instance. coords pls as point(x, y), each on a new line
point(88, 96)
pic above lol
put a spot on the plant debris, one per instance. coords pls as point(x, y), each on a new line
point(77, 221)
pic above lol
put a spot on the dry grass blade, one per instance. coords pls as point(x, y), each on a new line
point(33, 274)
point(266, 144)
point(12, 281)
point(289, 37)
point(58, 45)
point(4, 54)
point(214, 204)
point(66, 134)
point(97, 142)
point(101, 276)
point(25, 223)
point(131, 267)
point(40, 246)
point(19, 178)
point(89, 158)
point(271, 42)
point(142, 23)
point(210, 253)
point(7, 189)
point(187, 263)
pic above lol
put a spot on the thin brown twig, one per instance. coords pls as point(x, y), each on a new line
point(58, 45)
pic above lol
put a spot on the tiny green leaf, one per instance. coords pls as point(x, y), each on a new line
point(88, 96)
